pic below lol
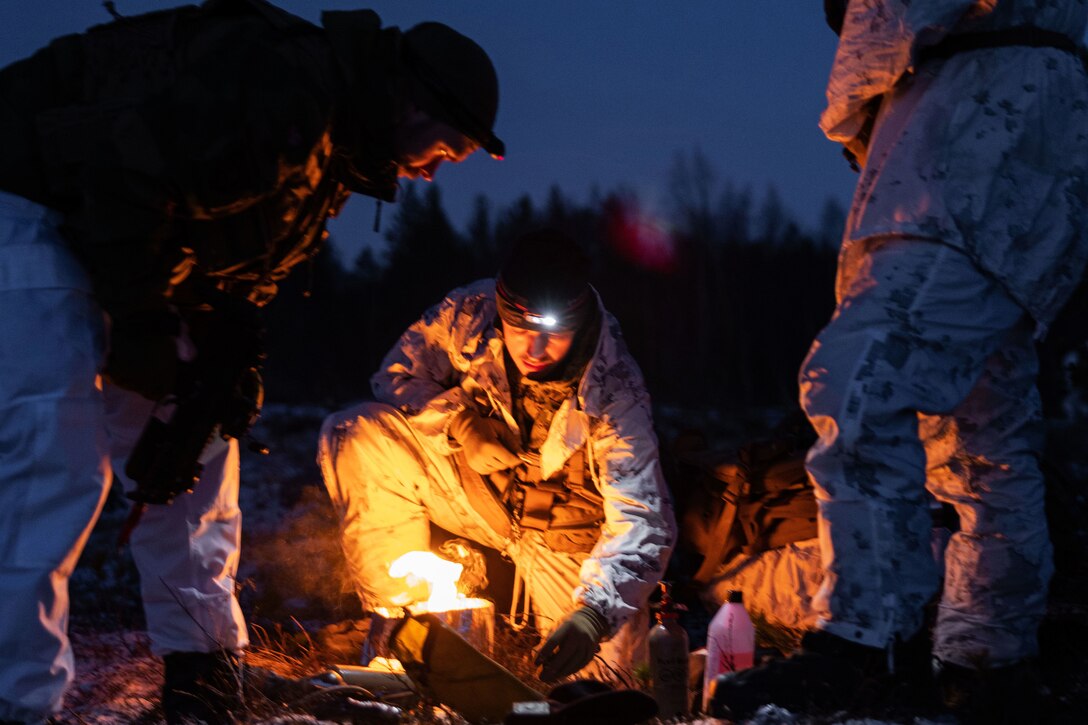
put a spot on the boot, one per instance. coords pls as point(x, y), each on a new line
point(1007, 695)
point(202, 687)
point(826, 671)
point(829, 673)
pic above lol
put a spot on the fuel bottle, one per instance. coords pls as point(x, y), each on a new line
point(668, 645)
point(730, 643)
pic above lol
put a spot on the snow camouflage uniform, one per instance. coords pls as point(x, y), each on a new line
point(390, 469)
point(966, 236)
point(157, 149)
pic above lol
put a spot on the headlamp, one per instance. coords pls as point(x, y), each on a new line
point(547, 316)
point(544, 320)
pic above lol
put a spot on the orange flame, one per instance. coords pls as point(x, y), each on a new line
point(428, 573)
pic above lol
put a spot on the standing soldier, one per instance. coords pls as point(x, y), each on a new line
point(967, 234)
point(159, 176)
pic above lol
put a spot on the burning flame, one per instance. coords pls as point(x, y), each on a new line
point(427, 572)
point(430, 585)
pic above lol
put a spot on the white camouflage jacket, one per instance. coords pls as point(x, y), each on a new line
point(453, 357)
point(986, 151)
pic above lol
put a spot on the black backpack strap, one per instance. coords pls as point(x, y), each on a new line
point(1022, 35)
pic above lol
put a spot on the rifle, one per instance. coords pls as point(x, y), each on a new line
point(220, 391)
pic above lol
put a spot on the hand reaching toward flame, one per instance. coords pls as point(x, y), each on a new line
point(473, 578)
point(572, 645)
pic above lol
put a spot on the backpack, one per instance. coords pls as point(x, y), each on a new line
point(746, 501)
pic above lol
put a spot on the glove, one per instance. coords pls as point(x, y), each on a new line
point(484, 442)
point(572, 645)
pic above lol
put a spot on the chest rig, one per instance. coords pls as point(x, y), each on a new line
point(566, 508)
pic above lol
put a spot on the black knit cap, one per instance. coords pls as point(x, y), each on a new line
point(457, 82)
point(544, 283)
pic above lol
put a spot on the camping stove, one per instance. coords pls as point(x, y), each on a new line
point(474, 620)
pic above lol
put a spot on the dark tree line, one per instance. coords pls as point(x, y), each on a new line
point(718, 301)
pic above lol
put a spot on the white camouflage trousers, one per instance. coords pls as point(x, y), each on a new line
point(925, 378)
point(388, 486)
point(59, 428)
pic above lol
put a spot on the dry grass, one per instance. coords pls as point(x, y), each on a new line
point(293, 559)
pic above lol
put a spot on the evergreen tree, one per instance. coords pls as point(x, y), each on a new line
point(718, 320)
point(832, 224)
point(481, 238)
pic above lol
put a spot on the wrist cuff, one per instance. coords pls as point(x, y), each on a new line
point(595, 618)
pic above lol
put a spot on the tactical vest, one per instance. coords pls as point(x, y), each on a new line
point(87, 82)
point(567, 508)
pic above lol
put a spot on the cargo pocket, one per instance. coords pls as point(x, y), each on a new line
point(54, 466)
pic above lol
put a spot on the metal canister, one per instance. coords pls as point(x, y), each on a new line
point(474, 620)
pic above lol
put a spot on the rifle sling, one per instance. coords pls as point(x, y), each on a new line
point(484, 500)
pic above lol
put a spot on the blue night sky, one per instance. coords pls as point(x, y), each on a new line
point(598, 94)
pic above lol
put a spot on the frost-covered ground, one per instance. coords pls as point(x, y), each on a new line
point(292, 586)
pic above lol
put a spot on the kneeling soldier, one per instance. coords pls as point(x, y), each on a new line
point(513, 415)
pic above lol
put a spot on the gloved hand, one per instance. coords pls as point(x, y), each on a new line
point(486, 442)
point(572, 645)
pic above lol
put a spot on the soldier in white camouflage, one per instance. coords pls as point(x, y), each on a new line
point(969, 122)
point(513, 415)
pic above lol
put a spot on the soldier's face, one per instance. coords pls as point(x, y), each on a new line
point(536, 353)
point(423, 144)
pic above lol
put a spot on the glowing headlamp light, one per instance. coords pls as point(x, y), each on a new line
point(544, 320)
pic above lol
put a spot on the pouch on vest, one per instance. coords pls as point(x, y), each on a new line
point(567, 511)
